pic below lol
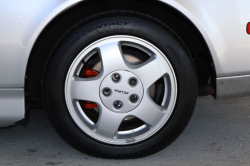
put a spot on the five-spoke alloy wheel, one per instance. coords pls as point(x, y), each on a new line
point(113, 90)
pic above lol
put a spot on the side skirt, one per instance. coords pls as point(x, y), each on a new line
point(232, 87)
point(11, 106)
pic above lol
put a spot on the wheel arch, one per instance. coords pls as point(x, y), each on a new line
point(50, 30)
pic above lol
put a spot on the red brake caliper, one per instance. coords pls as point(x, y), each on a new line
point(88, 74)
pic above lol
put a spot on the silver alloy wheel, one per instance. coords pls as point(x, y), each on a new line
point(90, 89)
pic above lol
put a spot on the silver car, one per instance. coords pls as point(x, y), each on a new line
point(120, 78)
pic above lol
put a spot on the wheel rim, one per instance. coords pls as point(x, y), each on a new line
point(106, 128)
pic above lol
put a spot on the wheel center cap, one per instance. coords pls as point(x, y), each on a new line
point(121, 91)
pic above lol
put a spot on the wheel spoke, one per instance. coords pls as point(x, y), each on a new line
point(109, 123)
point(112, 58)
point(85, 89)
point(151, 71)
point(148, 111)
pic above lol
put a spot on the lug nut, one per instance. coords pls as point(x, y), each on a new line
point(133, 98)
point(118, 104)
point(116, 77)
point(132, 82)
point(106, 92)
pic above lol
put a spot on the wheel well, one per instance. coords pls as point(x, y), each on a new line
point(182, 26)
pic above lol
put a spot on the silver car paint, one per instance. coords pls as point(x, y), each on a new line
point(21, 23)
point(221, 22)
point(223, 25)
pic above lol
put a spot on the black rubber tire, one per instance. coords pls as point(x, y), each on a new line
point(119, 23)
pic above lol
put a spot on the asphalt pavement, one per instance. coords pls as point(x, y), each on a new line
point(217, 134)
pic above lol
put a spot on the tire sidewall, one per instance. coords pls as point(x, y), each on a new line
point(82, 35)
